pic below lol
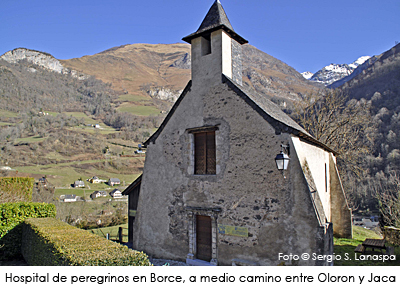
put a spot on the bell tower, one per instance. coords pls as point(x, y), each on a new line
point(216, 49)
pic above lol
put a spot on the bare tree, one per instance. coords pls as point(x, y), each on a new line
point(345, 126)
point(387, 190)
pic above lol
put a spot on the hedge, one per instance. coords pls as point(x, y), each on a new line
point(11, 217)
point(51, 242)
point(15, 189)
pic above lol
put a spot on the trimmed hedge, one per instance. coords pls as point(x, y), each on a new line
point(11, 217)
point(15, 189)
point(51, 242)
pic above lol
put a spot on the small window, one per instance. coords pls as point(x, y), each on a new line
point(204, 153)
point(326, 178)
point(205, 45)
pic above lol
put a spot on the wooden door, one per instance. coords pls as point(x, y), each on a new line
point(204, 237)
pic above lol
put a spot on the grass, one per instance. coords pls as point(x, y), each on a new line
point(65, 174)
point(113, 231)
point(138, 110)
point(31, 139)
point(7, 114)
point(133, 98)
point(6, 124)
point(344, 248)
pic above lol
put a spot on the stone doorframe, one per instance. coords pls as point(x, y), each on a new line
point(213, 213)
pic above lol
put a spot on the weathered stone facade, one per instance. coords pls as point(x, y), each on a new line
point(255, 212)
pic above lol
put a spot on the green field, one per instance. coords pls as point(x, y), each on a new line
point(31, 139)
point(133, 98)
point(65, 174)
point(344, 248)
point(138, 110)
point(113, 231)
point(7, 114)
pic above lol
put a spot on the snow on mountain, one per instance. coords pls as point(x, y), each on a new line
point(307, 75)
point(359, 61)
point(334, 72)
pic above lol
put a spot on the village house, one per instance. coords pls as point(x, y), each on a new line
point(95, 179)
point(79, 183)
point(68, 198)
point(96, 194)
point(114, 181)
point(213, 191)
point(116, 193)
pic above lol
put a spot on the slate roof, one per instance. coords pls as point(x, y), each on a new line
point(271, 112)
point(133, 185)
point(215, 19)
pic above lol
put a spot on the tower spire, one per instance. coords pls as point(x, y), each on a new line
point(215, 19)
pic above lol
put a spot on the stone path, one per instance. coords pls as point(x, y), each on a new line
point(164, 262)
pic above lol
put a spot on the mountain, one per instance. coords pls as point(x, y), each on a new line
point(33, 80)
point(379, 83)
point(41, 59)
point(163, 70)
point(381, 74)
point(307, 75)
point(334, 72)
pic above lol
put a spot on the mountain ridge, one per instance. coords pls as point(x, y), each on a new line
point(335, 72)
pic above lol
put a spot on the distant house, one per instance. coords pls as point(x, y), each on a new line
point(116, 193)
point(43, 180)
point(79, 183)
point(95, 179)
point(114, 181)
point(97, 194)
point(68, 198)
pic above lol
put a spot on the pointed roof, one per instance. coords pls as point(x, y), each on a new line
point(263, 106)
point(215, 19)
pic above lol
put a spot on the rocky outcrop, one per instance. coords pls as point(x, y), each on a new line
point(41, 59)
point(162, 93)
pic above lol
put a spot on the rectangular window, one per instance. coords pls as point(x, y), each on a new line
point(205, 45)
point(204, 153)
point(326, 178)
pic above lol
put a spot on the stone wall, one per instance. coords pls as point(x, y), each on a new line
point(250, 192)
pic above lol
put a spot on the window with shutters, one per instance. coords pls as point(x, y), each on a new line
point(204, 153)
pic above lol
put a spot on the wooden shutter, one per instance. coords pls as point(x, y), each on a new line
point(210, 154)
point(204, 153)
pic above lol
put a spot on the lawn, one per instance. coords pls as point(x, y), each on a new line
point(7, 114)
point(113, 231)
point(31, 139)
point(344, 249)
point(133, 98)
point(138, 110)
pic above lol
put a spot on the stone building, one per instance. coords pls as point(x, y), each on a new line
point(211, 193)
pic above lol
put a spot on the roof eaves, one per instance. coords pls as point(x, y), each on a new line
point(133, 185)
point(210, 29)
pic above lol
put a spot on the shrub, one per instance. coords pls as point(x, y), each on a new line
point(51, 242)
point(11, 217)
point(14, 189)
point(392, 235)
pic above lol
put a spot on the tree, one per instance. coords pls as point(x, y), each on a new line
point(343, 125)
point(387, 191)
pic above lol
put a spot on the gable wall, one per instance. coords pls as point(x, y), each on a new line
point(316, 161)
point(248, 188)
